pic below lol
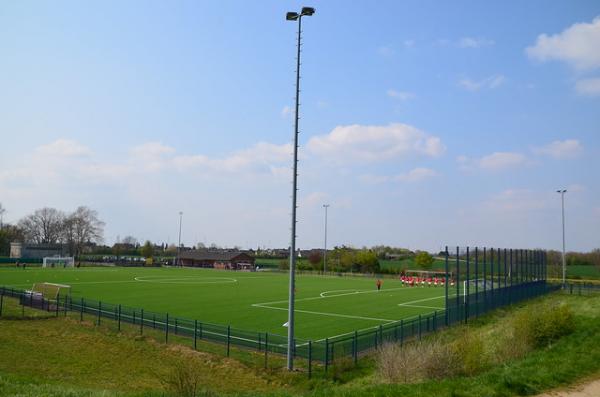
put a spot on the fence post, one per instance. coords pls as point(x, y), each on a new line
point(381, 334)
point(309, 359)
point(445, 288)
point(134, 316)
point(195, 334)
point(57, 301)
point(119, 323)
point(266, 348)
point(434, 320)
point(99, 311)
point(141, 321)
point(355, 347)
point(402, 326)
point(419, 327)
point(228, 338)
point(1, 301)
point(467, 287)
point(175, 325)
point(326, 354)
point(167, 329)
point(81, 310)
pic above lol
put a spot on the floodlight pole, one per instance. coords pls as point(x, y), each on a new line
point(179, 240)
point(564, 261)
point(325, 246)
point(290, 323)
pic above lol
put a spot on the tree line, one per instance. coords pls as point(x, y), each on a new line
point(48, 225)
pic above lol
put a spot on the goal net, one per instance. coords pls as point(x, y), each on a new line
point(59, 261)
point(475, 286)
point(51, 290)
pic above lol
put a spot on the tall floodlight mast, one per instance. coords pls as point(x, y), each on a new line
point(294, 16)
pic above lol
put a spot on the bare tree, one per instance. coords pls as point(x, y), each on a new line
point(2, 211)
point(44, 226)
point(129, 240)
point(82, 227)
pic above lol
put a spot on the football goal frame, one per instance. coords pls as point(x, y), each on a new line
point(58, 261)
point(51, 291)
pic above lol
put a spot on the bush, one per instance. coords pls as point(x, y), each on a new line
point(541, 325)
point(471, 354)
point(184, 380)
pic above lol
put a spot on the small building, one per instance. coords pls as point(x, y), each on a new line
point(229, 260)
point(35, 251)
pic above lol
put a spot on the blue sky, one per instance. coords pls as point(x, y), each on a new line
point(423, 123)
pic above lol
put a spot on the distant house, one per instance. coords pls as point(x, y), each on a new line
point(230, 260)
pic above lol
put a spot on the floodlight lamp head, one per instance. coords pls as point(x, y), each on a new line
point(291, 16)
point(308, 11)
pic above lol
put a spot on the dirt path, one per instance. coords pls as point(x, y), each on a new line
point(589, 389)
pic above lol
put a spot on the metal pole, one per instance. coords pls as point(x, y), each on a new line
point(325, 247)
point(290, 342)
point(564, 261)
point(179, 240)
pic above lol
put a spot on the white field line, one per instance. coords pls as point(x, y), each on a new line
point(423, 300)
point(322, 313)
point(334, 296)
point(424, 307)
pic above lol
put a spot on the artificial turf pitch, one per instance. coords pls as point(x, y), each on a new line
point(326, 306)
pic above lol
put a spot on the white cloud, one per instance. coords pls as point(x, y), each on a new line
point(314, 199)
point(588, 87)
point(286, 111)
point(415, 175)
point(578, 45)
point(490, 82)
point(151, 149)
point(502, 160)
point(512, 200)
point(400, 95)
point(385, 51)
point(474, 42)
point(369, 143)
point(64, 148)
point(560, 149)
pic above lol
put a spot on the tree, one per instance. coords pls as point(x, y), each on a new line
point(315, 258)
point(2, 211)
point(44, 226)
point(8, 234)
point(424, 260)
point(147, 249)
point(367, 260)
point(82, 227)
point(129, 240)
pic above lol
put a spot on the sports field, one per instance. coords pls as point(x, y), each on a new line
point(326, 306)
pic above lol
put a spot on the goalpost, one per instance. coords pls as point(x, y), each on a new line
point(50, 291)
point(59, 261)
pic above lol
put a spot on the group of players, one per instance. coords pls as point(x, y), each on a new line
point(413, 281)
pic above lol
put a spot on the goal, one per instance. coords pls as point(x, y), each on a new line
point(59, 261)
point(51, 291)
point(472, 286)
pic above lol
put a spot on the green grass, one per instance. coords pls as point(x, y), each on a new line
point(325, 305)
point(61, 357)
point(581, 271)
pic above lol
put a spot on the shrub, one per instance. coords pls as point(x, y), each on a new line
point(541, 325)
point(184, 380)
point(470, 352)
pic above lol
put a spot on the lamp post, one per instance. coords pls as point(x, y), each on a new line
point(325, 246)
point(179, 240)
point(564, 261)
point(294, 16)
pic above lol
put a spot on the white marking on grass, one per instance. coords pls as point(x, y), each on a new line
point(332, 293)
point(323, 313)
point(186, 280)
